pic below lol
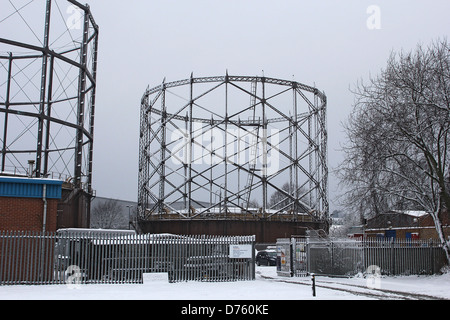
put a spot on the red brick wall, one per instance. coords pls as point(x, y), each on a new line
point(22, 214)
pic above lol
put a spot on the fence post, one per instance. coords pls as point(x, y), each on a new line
point(313, 279)
point(308, 256)
point(291, 253)
point(392, 257)
point(430, 243)
point(253, 262)
point(332, 256)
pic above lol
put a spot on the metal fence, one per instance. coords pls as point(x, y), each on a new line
point(89, 257)
point(347, 257)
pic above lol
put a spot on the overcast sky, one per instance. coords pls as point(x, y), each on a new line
point(327, 43)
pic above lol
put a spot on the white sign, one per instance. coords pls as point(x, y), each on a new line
point(159, 277)
point(241, 251)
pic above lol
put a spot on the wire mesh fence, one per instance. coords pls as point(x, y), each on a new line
point(348, 257)
point(121, 257)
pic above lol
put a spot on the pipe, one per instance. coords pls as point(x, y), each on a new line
point(44, 198)
point(30, 168)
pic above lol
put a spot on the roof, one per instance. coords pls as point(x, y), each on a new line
point(30, 187)
point(413, 213)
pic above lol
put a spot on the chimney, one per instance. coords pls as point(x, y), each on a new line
point(30, 168)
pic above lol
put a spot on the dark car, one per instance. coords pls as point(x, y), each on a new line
point(266, 258)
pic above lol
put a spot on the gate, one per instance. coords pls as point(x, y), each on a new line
point(348, 257)
point(284, 250)
point(292, 257)
point(335, 257)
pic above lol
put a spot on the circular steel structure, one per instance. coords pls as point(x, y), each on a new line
point(233, 148)
point(48, 66)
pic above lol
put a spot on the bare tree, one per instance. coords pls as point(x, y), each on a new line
point(108, 215)
point(397, 155)
point(281, 199)
point(254, 204)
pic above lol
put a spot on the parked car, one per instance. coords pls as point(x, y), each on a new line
point(266, 258)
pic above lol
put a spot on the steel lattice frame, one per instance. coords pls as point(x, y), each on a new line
point(233, 147)
point(48, 66)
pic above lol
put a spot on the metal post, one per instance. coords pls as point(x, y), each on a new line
point(226, 147)
point(81, 104)
point(313, 279)
point(92, 120)
point(392, 257)
point(186, 154)
point(162, 167)
point(43, 91)
point(264, 149)
point(295, 163)
point(252, 263)
point(49, 112)
point(190, 144)
point(44, 199)
point(5, 129)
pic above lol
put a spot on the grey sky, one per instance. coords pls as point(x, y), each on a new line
point(325, 43)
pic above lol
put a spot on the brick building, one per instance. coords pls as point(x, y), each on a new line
point(29, 204)
point(406, 225)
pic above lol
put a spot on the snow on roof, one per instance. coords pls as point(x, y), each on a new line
point(94, 231)
point(413, 213)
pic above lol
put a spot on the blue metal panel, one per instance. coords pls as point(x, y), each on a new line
point(391, 234)
point(29, 188)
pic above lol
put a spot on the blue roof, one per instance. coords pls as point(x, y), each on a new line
point(29, 188)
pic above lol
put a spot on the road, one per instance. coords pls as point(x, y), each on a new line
point(358, 290)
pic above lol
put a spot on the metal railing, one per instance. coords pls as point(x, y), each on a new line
point(348, 257)
point(89, 257)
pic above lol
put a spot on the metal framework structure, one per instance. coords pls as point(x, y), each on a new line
point(48, 67)
point(233, 147)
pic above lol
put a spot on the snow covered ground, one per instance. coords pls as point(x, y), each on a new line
point(267, 286)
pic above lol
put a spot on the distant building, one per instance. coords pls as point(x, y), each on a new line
point(337, 217)
point(406, 224)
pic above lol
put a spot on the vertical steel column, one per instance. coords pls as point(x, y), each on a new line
point(318, 145)
point(185, 164)
point(264, 149)
point(81, 104)
point(49, 112)
point(143, 163)
point(92, 115)
point(291, 183)
point(212, 166)
point(310, 156)
point(190, 144)
point(324, 160)
point(43, 91)
point(225, 196)
point(5, 128)
point(162, 164)
point(239, 162)
point(295, 162)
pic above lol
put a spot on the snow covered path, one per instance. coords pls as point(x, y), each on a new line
point(267, 286)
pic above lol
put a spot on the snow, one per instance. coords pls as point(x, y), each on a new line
point(413, 213)
point(267, 286)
